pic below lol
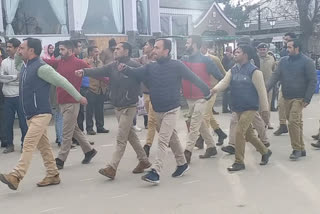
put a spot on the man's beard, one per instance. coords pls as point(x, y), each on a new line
point(189, 51)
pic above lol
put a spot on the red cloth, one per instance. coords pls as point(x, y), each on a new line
point(66, 68)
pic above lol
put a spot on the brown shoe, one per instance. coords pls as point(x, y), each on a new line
point(142, 165)
point(47, 181)
point(10, 180)
point(108, 172)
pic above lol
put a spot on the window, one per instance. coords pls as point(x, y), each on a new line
point(165, 25)
point(143, 21)
point(36, 17)
point(104, 17)
point(180, 25)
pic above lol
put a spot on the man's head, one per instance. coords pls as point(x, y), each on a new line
point(148, 47)
point(93, 51)
point(112, 44)
point(162, 48)
point(243, 54)
point(263, 49)
point(193, 44)
point(30, 48)
point(294, 47)
point(77, 47)
point(66, 48)
point(289, 37)
point(122, 50)
point(228, 52)
point(12, 46)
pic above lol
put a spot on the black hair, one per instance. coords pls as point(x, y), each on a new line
point(112, 42)
point(15, 42)
point(296, 44)
point(152, 42)
point(167, 44)
point(74, 42)
point(35, 44)
point(196, 39)
point(252, 54)
point(56, 52)
point(292, 35)
point(128, 47)
point(90, 48)
point(50, 45)
point(69, 44)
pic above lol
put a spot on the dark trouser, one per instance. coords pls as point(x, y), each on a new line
point(226, 100)
point(95, 106)
point(11, 106)
point(275, 94)
point(80, 119)
point(3, 135)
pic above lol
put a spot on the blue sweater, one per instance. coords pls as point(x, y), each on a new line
point(163, 78)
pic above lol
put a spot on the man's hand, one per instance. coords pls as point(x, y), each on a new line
point(265, 117)
point(79, 73)
point(122, 67)
point(83, 101)
point(213, 91)
point(208, 97)
point(305, 104)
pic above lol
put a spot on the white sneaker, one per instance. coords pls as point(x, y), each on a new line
point(137, 128)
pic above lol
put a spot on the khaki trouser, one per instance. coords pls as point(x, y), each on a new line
point(71, 130)
point(152, 120)
point(197, 110)
point(293, 110)
point(36, 137)
point(244, 132)
point(166, 124)
point(257, 123)
point(126, 133)
point(282, 109)
point(208, 115)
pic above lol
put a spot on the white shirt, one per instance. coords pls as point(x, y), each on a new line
point(9, 78)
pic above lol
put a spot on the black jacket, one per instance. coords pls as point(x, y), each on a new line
point(124, 90)
point(163, 78)
point(297, 75)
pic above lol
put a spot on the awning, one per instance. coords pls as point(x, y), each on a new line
point(277, 39)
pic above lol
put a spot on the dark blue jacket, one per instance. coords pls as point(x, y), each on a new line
point(163, 78)
point(34, 91)
point(297, 75)
point(244, 95)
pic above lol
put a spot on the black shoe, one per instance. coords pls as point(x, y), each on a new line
point(229, 149)
point(236, 167)
point(265, 158)
point(74, 141)
point(3, 145)
point(221, 136)
point(283, 129)
point(91, 132)
point(270, 127)
point(103, 130)
point(267, 145)
point(274, 109)
point(316, 145)
point(9, 149)
point(187, 155)
point(199, 142)
point(59, 163)
point(88, 156)
point(295, 155)
point(226, 111)
point(180, 170)
point(315, 137)
point(146, 148)
point(91, 143)
point(210, 152)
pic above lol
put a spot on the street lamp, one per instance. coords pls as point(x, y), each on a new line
point(272, 21)
point(247, 24)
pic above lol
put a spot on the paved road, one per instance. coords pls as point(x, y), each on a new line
point(283, 186)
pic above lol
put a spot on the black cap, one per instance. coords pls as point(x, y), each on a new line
point(263, 45)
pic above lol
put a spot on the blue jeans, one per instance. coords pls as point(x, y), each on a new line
point(58, 122)
point(11, 107)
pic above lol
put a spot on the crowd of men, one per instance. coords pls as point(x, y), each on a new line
point(246, 76)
